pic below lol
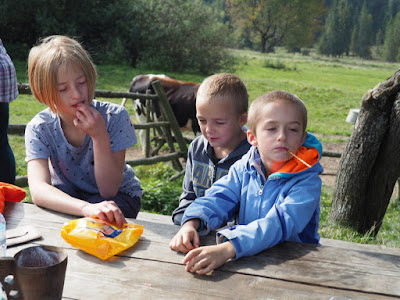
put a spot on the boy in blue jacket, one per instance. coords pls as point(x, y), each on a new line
point(221, 106)
point(275, 189)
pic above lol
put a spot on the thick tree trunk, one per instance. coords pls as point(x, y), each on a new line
point(385, 172)
point(370, 164)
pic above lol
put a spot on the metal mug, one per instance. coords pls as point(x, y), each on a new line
point(36, 272)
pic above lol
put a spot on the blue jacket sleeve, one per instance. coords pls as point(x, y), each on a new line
point(220, 202)
point(287, 220)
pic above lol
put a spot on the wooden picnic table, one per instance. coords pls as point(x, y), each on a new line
point(150, 270)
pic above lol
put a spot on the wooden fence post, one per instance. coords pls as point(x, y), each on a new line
point(148, 120)
point(169, 114)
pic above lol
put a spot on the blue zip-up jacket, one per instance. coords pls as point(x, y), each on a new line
point(284, 207)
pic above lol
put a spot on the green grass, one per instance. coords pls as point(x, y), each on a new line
point(388, 234)
point(328, 86)
point(159, 194)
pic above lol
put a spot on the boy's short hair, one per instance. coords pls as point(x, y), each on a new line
point(224, 86)
point(45, 60)
point(257, 105)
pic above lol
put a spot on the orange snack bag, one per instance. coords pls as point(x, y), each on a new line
point(100, 238)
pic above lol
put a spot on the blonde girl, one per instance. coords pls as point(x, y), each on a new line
point(75, 148)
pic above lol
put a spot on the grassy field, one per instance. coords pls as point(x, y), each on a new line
point(328, 86)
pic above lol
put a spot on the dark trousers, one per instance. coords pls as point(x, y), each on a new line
point(129, 205)
point(7, 159)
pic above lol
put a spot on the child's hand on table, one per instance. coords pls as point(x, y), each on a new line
point(106, 210)
point(187, 237)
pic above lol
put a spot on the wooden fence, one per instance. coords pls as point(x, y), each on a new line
point(166, 125)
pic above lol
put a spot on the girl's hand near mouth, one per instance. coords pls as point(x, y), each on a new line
point(89, 120)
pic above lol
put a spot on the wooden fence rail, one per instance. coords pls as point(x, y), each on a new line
point(167, 125)
point(19, 129)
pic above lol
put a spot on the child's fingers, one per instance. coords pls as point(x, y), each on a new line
point(109, 211)
point(102, 216)
point(196, 241)
point(115, 214)
point(177, 245)
point(187, 242)
point(206, 271)
point(119, 218)
point(172, 243)
point(198, 264)
point(84, 109)
point(80, 120)
point(191, 255)
point(204, 266)
point(85, 112)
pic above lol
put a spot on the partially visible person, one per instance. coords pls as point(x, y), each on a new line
point(8, 93)
point(275, 188)
point(221, 108)
point(75, 148)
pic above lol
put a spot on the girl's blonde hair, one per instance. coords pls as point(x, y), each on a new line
point(44, 62)
point(257, 105)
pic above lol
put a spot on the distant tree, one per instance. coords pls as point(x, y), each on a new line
point(363, 38)
point(184, 35)
point(354, 40)
point(167, 34)
point(378, 10)
point(274, 22)
point(302, 33)
point(392, 8)
point(336, 36)
point(379, 40)
point(22, 23)
point(392, 40)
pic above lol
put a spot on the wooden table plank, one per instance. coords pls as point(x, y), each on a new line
point(90, 278)
point(358, 271)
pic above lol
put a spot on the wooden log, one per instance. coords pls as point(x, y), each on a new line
point(16, 129)
point(24, 88)
point(151, 125)
point(115, 94)
point(331, 154)
point(365, 156)
point(155, 159)
point(22, 181)
point(384, 173)
point(19, 129)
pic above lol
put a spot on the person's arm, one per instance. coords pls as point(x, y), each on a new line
point(45, 195)
point(220, 203)
point(284, 221)
point(108, 166)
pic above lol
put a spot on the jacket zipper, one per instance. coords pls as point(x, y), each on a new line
point(262, 185)
point(214, 173)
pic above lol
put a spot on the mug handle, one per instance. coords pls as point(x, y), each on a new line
point(10, 285)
